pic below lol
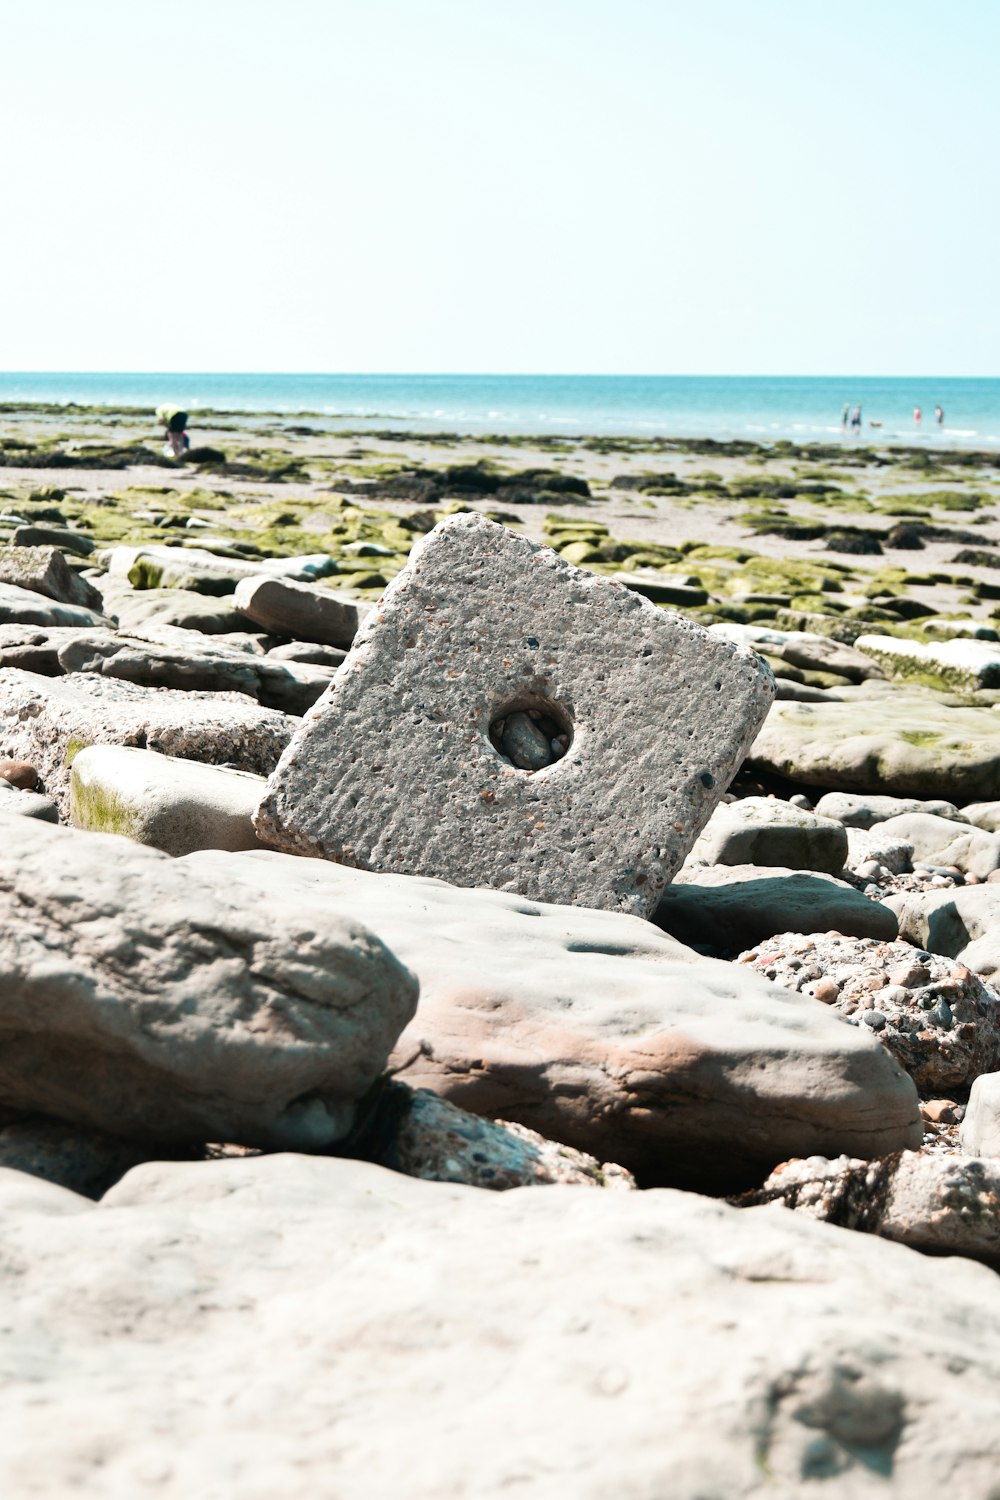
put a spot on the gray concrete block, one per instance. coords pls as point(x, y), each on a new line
point(401, 767)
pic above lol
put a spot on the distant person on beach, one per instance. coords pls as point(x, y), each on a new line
point(175, 430)
point(939, 415)
point(918, 416)
point(845, 414)
point(856, 418)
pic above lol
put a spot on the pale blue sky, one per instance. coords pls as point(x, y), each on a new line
point(721, 186)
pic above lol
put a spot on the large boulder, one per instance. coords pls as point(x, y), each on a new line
point(45, 721)
point(508, 720)
point(911, 744)
point(595, 1029)
point(141, 998)
point(302, 1327)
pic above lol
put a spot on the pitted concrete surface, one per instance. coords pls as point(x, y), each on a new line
point(395, 769)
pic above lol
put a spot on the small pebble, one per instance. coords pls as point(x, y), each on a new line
point(941, 1014)
point(874, 1018)
point(524, 742)
point(940, 1111)
point(18, 773)
point(909, 976)
point(827, 990)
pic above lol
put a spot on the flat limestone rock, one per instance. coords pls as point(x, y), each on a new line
point(864, 812)
point(906, 744)
point(952, 664)
point(22, 606)
point(305, 1327)
point(396, 770)
point(768, 831)
point(291, 687)
point(141, 999)
point(174, 805)
point(182, 608)
point(300, 610)
point(595, 1029)
point(729, 907)
point(940, 841)
point(54, 536)
point(44, 570)
point(46, 720)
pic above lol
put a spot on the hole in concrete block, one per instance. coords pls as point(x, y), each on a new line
point(531, 731)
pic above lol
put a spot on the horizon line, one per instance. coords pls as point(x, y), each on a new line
point(503, 374)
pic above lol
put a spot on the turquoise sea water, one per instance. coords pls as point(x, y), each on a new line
point(761, 408)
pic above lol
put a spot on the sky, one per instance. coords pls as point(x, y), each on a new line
point(524, 186)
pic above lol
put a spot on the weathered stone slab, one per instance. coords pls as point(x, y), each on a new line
point(140, 998)
point(44, 570)
point(909, 744)
point(303, 1328)
point(46, 720)
point(857, 811)
point(292, 687)
point(300, 610)
point(941, 841)
point(174, 805)
point(22, 606)
point(729, 907)
point(949, 664)
point(397, 769)
point(54, 536)
point(769, 831)
point(182, 608)
point(595, 1029)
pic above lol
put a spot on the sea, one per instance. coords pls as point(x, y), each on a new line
point(801, 409)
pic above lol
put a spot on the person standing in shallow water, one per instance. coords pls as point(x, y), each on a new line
point(856, 418)
point(844, 415)
point(918, 416)
point(939, 415)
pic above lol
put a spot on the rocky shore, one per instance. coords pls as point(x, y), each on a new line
point(393, 826)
